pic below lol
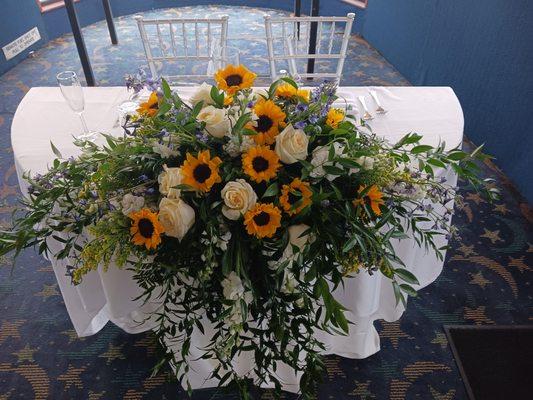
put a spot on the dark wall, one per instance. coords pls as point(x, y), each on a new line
point(484, 50)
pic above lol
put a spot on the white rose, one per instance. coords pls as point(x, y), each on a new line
point(176, 216)
point(216, 121)
point(291, 145)
point(203, 93)
point(131, 203)
point(238, 197)
point(232, 287)
point(167, 180)
point(259, 94)
point(320, 159)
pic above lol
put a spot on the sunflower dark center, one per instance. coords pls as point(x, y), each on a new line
point(146, 228)
point(260, 164)
point(264, 123)
point(293, 197)
point(234, 80)
point(262, 219)
point(154, 106)
point(202, 173)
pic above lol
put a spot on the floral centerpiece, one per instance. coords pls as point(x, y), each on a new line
point(244, 209)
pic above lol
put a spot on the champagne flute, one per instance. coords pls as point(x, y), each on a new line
point(72, 92)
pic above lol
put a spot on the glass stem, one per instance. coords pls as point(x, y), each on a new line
point(83, 123)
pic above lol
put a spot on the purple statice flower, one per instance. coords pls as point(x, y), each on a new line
point(202, 137)
point(149, 191)
point(82, 202)
point(140, 80)
point(250, 104)
point(301, 107)
point(313, 119)
point(143, 178)
point(325, 203)
point(300, 125)
point(31, 189)
point(94, 194)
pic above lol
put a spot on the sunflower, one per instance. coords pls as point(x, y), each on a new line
point(298, 192)
point(260, 163)
point(262, 220)
point(234, 78)
point(228, 100)
point(269, 118)
point(287, 91)
point(146, 229)
point(373, 197)
point(334, 117)
point(304, 94)
point(201, 172)
point(150, 107)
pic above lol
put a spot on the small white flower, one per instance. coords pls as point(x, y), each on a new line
point(167, 180)
point(131, 203)
point(202, 94)
point(222, 241)
point(232, 287)
point(164, 150)
point(291, 145)
point(216, 121)
point(176, 216)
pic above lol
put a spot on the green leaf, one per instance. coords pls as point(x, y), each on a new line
point(408, 289)
point(166, 89)
point(55, 150)
point(436, 163)
point(406, 276)
point(457, 155)
point(272, 190)
point(290, 82)
point(163, 109)
point(421, 149)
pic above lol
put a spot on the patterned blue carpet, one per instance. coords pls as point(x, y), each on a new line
point(486, 279)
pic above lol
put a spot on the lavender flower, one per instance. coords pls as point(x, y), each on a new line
point(300, 125)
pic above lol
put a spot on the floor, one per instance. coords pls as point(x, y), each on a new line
point(486, 279)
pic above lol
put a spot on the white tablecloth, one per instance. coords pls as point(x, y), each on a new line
point(43, 116)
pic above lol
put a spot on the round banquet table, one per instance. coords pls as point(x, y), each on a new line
point(43, 117)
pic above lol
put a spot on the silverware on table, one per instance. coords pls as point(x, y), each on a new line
point(366, 116)
point(380, 109)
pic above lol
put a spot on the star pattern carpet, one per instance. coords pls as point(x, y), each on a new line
point(486, 279)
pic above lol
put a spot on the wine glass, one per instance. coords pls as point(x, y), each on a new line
point(72, 92)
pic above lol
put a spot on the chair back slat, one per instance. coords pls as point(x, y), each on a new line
point(288, 45)
point(181, 48)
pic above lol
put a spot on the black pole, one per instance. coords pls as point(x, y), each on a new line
point(315, 6)
point(298, 13)
point(110, 23)
point(80, 43)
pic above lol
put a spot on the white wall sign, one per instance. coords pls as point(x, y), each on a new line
point(21, 43)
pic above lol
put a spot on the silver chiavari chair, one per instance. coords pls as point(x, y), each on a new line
point(288, 46)
point(182, 49)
